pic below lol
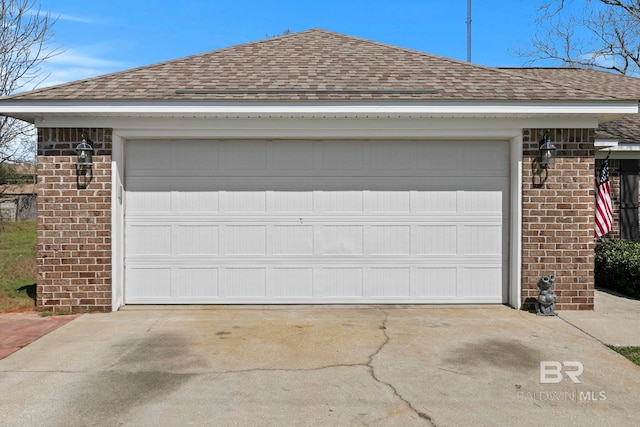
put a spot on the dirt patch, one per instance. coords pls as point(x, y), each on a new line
point(16, 305)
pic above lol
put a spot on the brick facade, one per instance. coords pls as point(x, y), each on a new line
point(74, 225)
point(557, 218)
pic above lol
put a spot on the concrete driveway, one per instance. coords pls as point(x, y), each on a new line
point(316, 365)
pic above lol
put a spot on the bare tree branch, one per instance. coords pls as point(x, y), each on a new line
point(602, 34)
point(25, 34)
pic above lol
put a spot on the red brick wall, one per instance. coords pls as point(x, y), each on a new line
point(557, 218)
point(74, 225)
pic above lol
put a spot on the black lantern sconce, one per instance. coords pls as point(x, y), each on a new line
point(547, 151)
point(84, 162)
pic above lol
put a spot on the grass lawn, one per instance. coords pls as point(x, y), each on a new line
point(17, 265)
point(631, 353)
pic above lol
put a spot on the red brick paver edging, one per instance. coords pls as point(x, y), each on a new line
point(18, 330)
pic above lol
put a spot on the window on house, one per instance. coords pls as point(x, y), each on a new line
point(629, 229)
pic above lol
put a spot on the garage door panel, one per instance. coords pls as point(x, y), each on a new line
point(482, 239)
point(344, 239)
point(480, 281)
point(147, 202)
point(389, 240)
point(438, 158)
point(291, 282)
point(245, 282)
point(197, 239)
point(248, 156)
point(363, 221)
point(436, 239)
point(197, 283)
point(315, 183)
point(151, 284)
point(292, 157)
point(150, 156)
point(245, 240)
point(479, 202)
point(389, 282)
point(443, 202)
point(194, 201)
point(237, 281)
point(342, 282)
point(149, 240)
point(195, 155)
point(393, 157)
point(293, 240)
point(436, 282)
point(336, 156)
point(488, 158)
point(318, 158)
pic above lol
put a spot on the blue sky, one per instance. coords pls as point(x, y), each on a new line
point(103, 36)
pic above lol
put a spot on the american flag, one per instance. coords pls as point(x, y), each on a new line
point(604, 209)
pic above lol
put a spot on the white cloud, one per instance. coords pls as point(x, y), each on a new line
point(65, 75)
point(73, 57)
point(63, 16)
point(73, 61)
point(73, 18)
point(77, 64)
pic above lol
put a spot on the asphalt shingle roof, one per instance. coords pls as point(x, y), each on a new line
point(314, 65)
point(584, 78)
point(626, 129)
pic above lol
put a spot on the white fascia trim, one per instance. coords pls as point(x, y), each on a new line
point(605, 142)
point(218, 109)
point(626, 151)
point(622, 148)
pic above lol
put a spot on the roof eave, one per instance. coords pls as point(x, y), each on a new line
point(604, 110)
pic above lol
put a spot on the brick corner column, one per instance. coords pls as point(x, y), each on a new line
point(74, 224)
point(557, 218)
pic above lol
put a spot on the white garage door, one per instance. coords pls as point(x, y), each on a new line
point(316, 221)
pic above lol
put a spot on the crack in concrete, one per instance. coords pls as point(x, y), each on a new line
point(251, 370)
point(153, 324)
point(368, 365)
point(372, 371)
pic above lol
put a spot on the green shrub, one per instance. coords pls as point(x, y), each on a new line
point(617, 266)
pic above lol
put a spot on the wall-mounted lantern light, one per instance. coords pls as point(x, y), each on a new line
point(84, 162)
point(547, 151)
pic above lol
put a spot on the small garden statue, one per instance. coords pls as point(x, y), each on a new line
point(546, 304)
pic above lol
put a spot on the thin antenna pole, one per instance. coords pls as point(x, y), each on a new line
point(468, 30)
